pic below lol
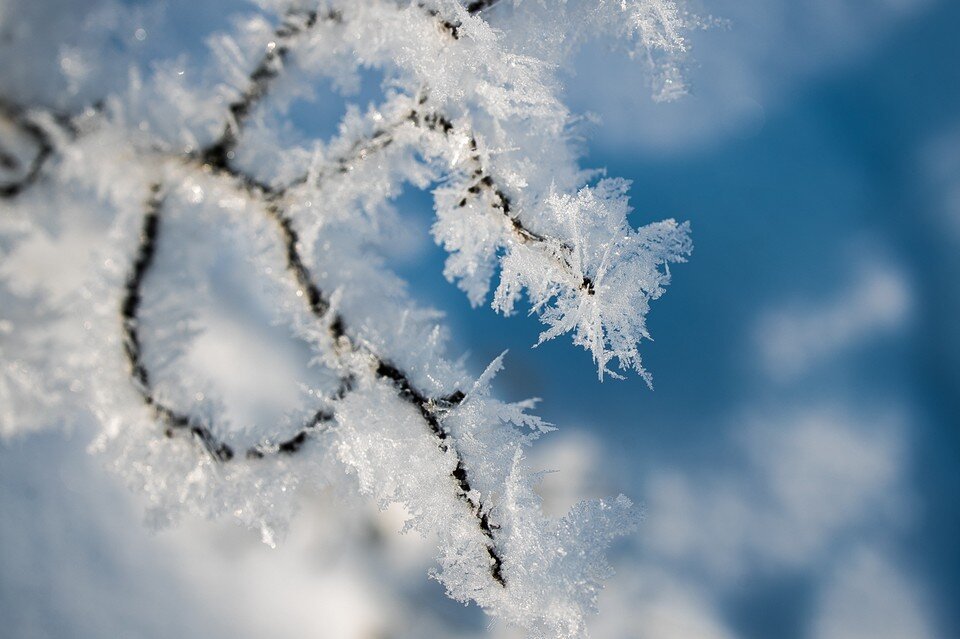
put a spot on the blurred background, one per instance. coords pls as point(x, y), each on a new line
point(799, 458)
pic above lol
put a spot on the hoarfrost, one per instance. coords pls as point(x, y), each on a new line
point(121, 191)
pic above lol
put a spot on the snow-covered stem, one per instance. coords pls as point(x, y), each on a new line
point(470, 111)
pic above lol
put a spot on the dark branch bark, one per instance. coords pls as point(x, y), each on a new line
point(38, 138)
point(480, 5)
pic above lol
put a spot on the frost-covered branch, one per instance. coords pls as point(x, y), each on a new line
point(469, 111)
point(25, 170)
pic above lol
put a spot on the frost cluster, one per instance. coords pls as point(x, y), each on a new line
point(146, 190)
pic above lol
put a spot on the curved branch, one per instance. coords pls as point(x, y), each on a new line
point(175, 420)
point(294, 25)
point(38, 136)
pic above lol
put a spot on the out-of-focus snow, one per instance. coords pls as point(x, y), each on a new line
point(869, 597)
point(796, 337)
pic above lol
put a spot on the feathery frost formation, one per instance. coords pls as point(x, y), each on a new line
point(171, 171)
